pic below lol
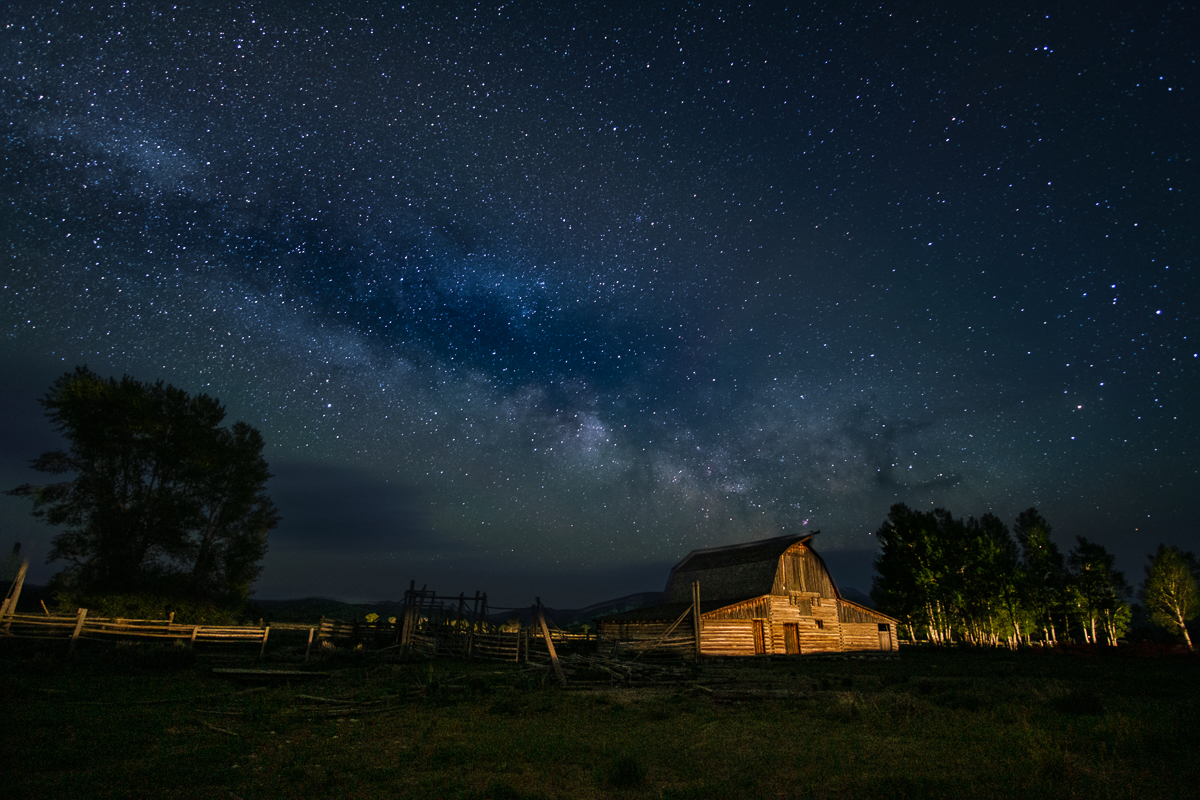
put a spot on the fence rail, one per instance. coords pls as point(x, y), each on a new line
point(431, 625)
point(81, 626)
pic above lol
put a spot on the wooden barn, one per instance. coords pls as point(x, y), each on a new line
point(773, 596)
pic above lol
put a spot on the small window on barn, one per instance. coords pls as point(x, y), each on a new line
point(821, 624)
point(883, 626)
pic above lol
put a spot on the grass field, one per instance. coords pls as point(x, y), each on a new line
point(148, 721)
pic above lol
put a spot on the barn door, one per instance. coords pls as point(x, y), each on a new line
point(885, 636)
point(760, 645)
point(791, 638)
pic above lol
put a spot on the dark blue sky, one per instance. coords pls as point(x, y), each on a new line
point(535, 299)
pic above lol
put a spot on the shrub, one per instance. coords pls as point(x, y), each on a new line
point(147, 606)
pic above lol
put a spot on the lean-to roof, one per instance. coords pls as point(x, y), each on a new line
point(664, 612)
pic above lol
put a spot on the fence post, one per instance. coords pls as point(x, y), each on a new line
point(310, 638)
point(14, 593)
point(406, 618)
point(79, 618)
point(696, 615)
point(558, 670)
point(263, 649)
point(471, 628)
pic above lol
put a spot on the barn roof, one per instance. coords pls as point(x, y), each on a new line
point(736, 554)
point(733, 572)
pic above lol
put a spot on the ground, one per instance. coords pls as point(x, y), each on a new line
point(154, 721)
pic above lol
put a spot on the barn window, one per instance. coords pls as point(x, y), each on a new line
point(821, 624)
point(883, 626)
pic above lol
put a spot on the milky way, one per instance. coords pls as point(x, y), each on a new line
point(536, 300)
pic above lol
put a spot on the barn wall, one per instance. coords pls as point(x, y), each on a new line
point(805, 612)
point(823, 638)
point(860, 626)
point(861, 636)
point(868, 636)
point(783, 611)
point(729, 631)
point(727, 637)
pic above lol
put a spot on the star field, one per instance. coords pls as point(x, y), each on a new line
point(536, 299)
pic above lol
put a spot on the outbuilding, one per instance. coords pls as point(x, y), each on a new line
point(773, 596)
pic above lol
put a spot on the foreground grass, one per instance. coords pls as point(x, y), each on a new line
point(143, 722)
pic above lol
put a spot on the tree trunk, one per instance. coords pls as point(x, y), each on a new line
point(1183, 629)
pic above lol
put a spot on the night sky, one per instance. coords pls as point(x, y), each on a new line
point(534, 299)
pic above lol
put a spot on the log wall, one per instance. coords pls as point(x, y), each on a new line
point(730, 631)
point(821, 633)
point(782, 612)
point(860, 636)
point(727, 637)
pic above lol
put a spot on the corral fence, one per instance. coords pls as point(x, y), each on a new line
point(82, 626)
point(459, 626)
point(430, 625)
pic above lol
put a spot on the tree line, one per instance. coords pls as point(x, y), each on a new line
point(980, 582)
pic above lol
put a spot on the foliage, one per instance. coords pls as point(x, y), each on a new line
point(1097, 591)
point(906, 565)
point(972, 580)
point(1170, 592)
point(948, 575)
point(162, 499)
point(147, 606)
point(1043, 572)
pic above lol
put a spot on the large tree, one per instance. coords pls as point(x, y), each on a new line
point(919, 577)
point(1097, 591)
point(1170, 591)
point(1043, 570)
point(992, 579)
point(159, 496)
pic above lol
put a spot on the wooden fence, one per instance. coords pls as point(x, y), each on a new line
point(81, 626)
point(431, 625)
